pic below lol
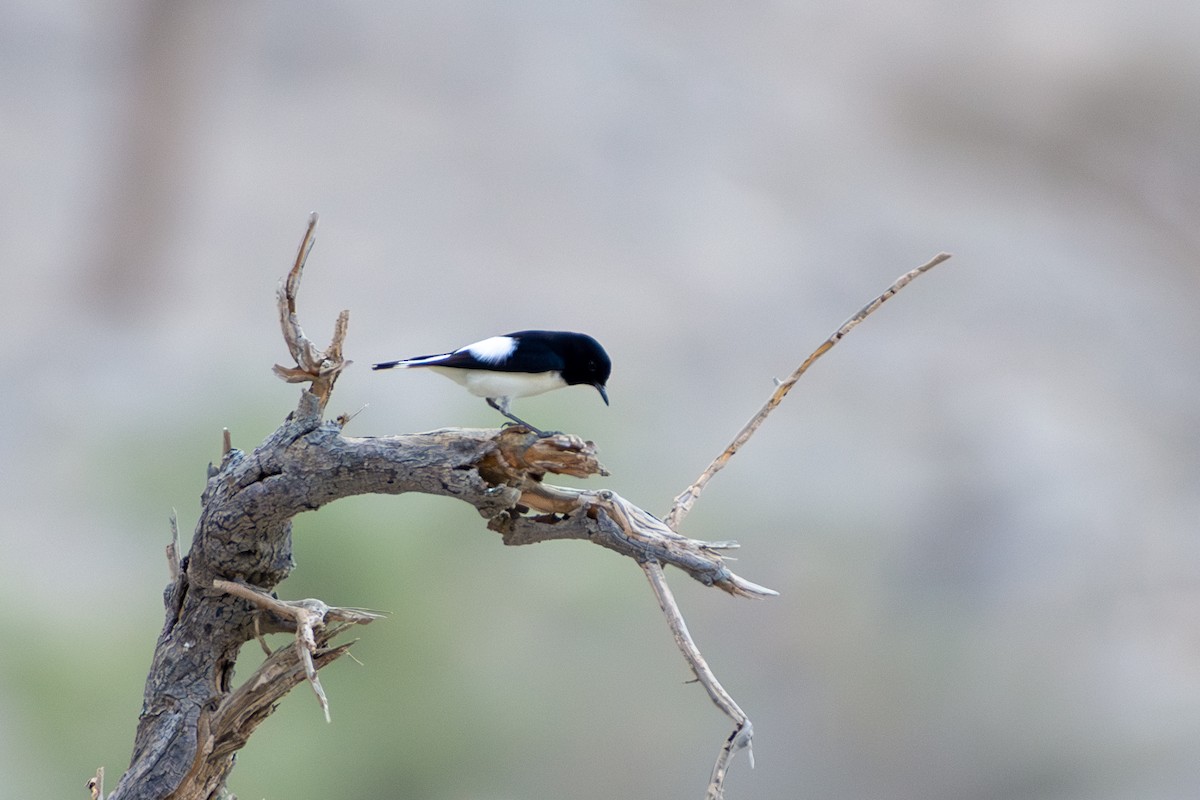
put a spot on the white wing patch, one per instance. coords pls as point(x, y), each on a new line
point(493, 350)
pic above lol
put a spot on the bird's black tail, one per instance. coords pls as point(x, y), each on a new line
point(386, 365)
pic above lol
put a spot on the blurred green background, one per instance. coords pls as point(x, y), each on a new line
point(980, 509)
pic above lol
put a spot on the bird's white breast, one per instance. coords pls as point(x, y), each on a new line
point(485, 383)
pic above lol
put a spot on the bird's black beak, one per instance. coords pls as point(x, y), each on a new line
point(603, 392)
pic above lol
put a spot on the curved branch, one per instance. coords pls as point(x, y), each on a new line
point(687, 498)
point(320, 368)
point(244, 535)
point(194, 719)
point(743, 730)
point(609, 520)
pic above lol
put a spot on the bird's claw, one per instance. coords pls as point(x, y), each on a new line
point(541, 434)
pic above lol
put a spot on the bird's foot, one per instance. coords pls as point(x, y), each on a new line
point(541, 434)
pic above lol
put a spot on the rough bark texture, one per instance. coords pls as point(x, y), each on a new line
point(244, 533)
point(193, 719)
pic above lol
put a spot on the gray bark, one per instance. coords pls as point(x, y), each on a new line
point(244, 534)
point(193, 718)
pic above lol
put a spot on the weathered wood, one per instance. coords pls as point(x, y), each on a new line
point(244, 534)
point(193, 719)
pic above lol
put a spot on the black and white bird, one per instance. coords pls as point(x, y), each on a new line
point(520, 364)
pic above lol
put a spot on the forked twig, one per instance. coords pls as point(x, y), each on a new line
point(95, 785)
point(743, 731)
point(631, 531)
point(308, 615)
point(609, 520)
point(313, 365)
point(687, 498)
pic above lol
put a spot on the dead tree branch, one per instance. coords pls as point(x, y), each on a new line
point(320, 368)
point(743, 731)
point(95, 785)
point(687, 498)
point(308, 616)
point(194, 718)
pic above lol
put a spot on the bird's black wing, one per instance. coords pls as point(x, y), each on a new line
point(532, 354)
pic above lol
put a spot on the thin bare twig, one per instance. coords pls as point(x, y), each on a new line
point(687, 498)
point(258, 634)
point(95, 785)
point(627, 529)
point(313, 365)
point(173, 548)
point(743, 731)
point(308, 615)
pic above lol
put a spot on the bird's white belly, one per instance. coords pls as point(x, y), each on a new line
point(486, 383)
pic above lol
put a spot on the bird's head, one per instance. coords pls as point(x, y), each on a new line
point(584, 362)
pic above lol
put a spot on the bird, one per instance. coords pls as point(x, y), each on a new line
point(520, 364)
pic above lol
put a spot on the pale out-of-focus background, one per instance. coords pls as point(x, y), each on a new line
point(980, 509)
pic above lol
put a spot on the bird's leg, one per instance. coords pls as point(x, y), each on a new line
point(501, 405)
